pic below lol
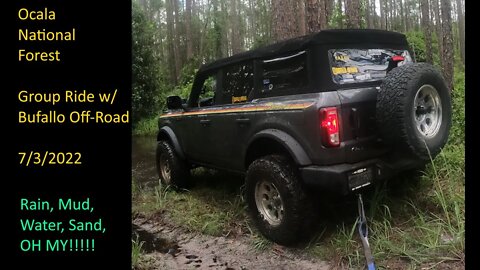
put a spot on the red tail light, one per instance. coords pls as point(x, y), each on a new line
point(398, 58)
point(330, 126)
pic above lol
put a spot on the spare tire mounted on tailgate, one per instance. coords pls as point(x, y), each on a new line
point(414, 110)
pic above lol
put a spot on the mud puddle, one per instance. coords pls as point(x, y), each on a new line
point(152, 242)
point(176, 248)
point(143, 160)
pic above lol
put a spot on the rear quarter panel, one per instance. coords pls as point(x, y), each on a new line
point(298, 116)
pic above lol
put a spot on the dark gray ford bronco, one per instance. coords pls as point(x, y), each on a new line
point(337, 110)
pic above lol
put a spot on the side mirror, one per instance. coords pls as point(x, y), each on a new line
point(174, 103)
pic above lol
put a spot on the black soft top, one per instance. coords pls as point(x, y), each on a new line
point(332, 37)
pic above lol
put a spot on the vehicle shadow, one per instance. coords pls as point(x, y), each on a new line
point(227, 182)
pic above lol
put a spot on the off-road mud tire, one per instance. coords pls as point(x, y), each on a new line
point(283, 174)
point(178, 169)
point(395, 112)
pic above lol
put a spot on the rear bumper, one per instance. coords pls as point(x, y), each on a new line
point(346, 178)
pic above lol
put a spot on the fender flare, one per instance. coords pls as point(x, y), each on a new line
point(287, 141)
point(168, 132)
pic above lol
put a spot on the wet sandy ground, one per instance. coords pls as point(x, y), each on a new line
point(168, 246)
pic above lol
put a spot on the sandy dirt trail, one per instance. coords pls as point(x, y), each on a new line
point(170, 247)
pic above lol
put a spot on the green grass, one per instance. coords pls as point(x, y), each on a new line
point(212, 214)
point(259, 242)
point(136, 253)
point(214, 207)
point(147, 126)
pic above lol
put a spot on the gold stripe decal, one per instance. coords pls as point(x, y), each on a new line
point(265, 107)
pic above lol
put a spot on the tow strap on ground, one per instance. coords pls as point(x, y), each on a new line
point(363, 231)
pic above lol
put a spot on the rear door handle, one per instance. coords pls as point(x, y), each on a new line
point(242, 121)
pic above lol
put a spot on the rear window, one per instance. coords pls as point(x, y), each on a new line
point(364, 65)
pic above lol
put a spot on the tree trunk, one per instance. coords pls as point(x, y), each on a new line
point(388, 23)
point(236, 46)
point(427, 31)
point(196, 30)
point(171, 41)
point(461, 30)
point(341, 4)
point(217, 31)
point(447, 43)
point(398, 16)
point(406, 12)
point(188, 28)
point(368, 15)
point(176, 48)
point(323, 14)
point(316, 15)
point(253, 20)
point(418, 20)
point(312, 15)
point(438, 29)
point(353, 13)
point(301, 18)
point(382, 16)
point(402, 17)
point(374, 11)
point(225, 28)
point(329, 5)
point(395, 14)
point(391, 5)
point(283, 20)
point(265, 18)
point(277, 17)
